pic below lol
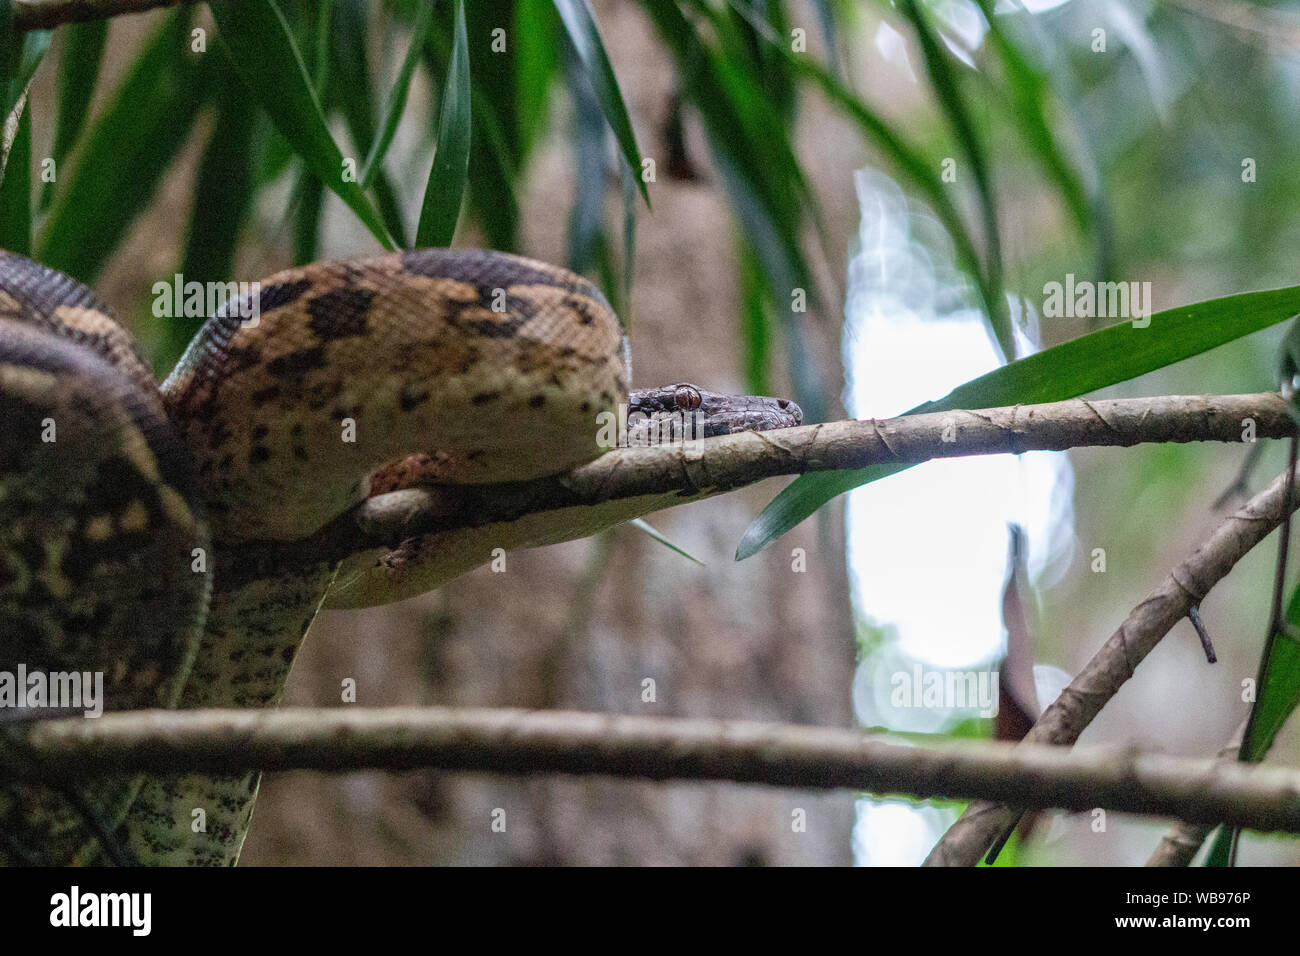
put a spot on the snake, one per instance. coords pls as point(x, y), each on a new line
point(136, 517)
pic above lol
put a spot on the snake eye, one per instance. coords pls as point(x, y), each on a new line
point(687, 398)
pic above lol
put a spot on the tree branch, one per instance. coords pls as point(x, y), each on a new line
point(716, 465)
point(524, 742)
point(1102, 677)
point(631, 482)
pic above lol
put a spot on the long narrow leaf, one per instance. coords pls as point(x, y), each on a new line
point(920, 171)
point(536, 63)
point(446, 190)
point(953, 104)
point(1280, 695)
point(629, 241)
point(263, 52)
point(34, 46)
point(586, 217)
point(125, 156)
point(757, 165)
point(8, 45)
point(83, 51)
point(397, 98)
point(1111, 355)
point(223, 195)
point(756, 327)
point(350, 87)
point(1030, 88)
point(642, 525)
point(1274, 703)
point(16, 189)
point(19, 58)
point(580, 25)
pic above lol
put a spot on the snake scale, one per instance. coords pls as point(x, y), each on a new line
point(126, 508)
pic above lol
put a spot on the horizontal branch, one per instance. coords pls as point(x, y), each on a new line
point(528, 742)
point(47, 14)
point(715, 465)
point(1110, 668)
point(631, 482)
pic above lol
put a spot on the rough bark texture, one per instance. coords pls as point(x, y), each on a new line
point(662, 748)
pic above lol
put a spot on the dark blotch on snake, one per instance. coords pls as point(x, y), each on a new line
point(297, 363)
point(502, 328)
point(339, 313)
point(117, 486)
point(409, 399)
point(578, 305)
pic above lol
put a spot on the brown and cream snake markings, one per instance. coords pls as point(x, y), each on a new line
point(125, 506)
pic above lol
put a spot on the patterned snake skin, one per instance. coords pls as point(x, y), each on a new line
point(126, 509)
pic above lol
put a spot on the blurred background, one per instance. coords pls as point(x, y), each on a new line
point(855, 204)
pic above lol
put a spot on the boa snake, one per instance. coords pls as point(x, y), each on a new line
point(125, 507)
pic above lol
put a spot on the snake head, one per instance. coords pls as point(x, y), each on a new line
point(720, 414)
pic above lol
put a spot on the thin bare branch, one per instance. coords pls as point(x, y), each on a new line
point(714, 465)
point(1102, 677)
point(527, 742)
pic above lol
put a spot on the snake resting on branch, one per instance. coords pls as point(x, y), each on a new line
point(126, 507)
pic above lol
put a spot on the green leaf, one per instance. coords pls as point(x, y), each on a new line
point(1115, 354)
point(83, 51)
point(536, 62)
point(16, 190)
point(223, 195)
point(1030, 89)
point(350, 87)
point(953, 104)
point(309, 203)
point(1280, 692)
point(19, 58)
point(587, 215)
point(1279, 695)
point(32, 50)
point(1221, 849)
point(629, 238)
point(756, 327)
point(756, 164)
point(641, 525)
point(263, 53)
point(916, 169)
point(830, 33)
point(495, 126)
point(445, 192)
point(274, 152)
point(580, 25)
point(131, 146)
point(397, 98)
point(492, 179)
point(8, 45)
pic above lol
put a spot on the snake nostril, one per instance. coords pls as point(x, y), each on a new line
point(783, 402)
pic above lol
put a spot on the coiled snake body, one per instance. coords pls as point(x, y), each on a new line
point(125, 508)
